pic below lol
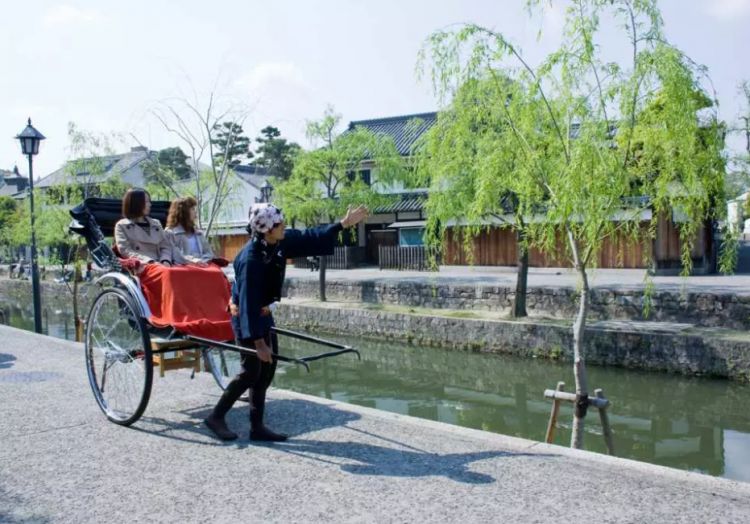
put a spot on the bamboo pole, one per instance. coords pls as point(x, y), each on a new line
point(550, 436)
point(606, 428)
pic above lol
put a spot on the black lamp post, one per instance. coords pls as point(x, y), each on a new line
point(30, 139)
point(265, 191)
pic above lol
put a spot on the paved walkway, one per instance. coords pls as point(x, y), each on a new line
point(61, 461)
point(541, 277)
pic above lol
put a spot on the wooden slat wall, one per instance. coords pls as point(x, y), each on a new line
point(497, 247)
point(231, 245)
point(493, 247)
point(667, 245)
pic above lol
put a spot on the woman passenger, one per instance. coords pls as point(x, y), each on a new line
point(189, 241)
point(139, 236)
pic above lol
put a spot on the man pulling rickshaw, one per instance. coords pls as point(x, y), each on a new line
point(259, 271)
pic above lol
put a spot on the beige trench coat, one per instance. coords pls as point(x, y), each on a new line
point(147, 245)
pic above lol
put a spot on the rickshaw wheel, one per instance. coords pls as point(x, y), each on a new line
point(119, 360)
point(224, 365)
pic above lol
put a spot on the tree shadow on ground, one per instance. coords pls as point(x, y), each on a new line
point(367, 453)
point(360, 458)
point(17, 510)
point(369, 459)
point(6, 360)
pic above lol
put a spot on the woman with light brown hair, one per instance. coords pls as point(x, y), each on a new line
point(188, 241)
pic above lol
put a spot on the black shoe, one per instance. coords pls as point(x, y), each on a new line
point(266, 435)
point(220, 429)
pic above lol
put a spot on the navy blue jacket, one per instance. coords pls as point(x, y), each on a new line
point(259, 274)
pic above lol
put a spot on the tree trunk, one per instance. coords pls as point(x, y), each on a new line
point(78, 324)
point(579, 367)
point(322, 275)
point(522, 276)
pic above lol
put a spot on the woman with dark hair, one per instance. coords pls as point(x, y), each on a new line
point(189, 241)
point(139, 236)
point(259, 275)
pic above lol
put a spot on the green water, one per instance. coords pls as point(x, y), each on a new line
point(696, 424)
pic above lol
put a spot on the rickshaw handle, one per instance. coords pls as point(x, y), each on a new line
point(246, 351)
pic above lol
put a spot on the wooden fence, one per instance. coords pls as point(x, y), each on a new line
point(415, 258)
point(344, 257)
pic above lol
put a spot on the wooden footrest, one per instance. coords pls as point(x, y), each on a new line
point(185, 355)
point(179, 343)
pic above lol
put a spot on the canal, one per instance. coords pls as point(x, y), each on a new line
point(691, 423)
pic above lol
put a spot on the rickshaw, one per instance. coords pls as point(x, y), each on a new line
point(122, 346)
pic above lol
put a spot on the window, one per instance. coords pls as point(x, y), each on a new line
point(363, 175)
point(411, 236)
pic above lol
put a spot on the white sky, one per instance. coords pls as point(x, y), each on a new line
point(104, 64)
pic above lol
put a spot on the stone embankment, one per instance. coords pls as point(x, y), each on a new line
point(683, 336)
point(717, 309)
point(655, 346)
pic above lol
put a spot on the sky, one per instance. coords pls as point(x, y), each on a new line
point(107, 65)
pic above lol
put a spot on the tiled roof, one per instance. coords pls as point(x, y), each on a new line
point(8, 190)
point(12, 183)
point(405, 129)
point(407, 202)
point(127, 165)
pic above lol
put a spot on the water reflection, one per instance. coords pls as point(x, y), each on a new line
point(688, 423)
point(55, 322)
point(16, 310)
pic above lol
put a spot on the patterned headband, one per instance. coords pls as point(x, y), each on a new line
point(264, 217)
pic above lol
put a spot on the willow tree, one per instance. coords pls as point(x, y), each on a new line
point(463, 157)
point(325, 181)
point(585, 135)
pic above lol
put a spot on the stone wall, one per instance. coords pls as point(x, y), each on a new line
point(690, 353)
point(645, 345)
point(701, 309)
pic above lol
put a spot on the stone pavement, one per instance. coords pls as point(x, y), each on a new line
point(62, 461)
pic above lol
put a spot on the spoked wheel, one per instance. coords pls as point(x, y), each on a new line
point(224, 365)
point(118, 357)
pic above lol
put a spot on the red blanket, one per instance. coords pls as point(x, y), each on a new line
point(191, 299)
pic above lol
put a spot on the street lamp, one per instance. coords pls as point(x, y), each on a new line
point(30, 139)
point(265, 191)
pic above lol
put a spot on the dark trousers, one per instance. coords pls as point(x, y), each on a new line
point(255, 376)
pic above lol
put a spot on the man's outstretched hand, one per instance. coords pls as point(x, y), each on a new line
point(354, 216)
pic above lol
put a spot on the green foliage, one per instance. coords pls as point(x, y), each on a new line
point(164, 171)
point(575, 136)
point(276, 154)
point(465, 159)
point(231, 144)
point(729, 254)
point(87, 174)
point(324, 181)
point(738, 176)
point(8, 210)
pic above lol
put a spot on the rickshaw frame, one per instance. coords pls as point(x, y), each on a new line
point(121, 311)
